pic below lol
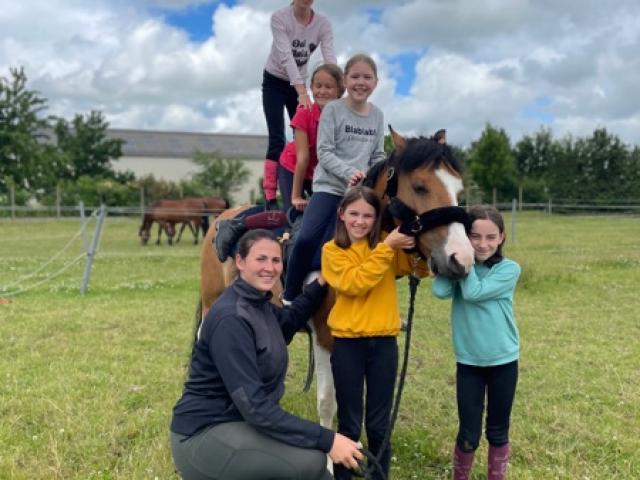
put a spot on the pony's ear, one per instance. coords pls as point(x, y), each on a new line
point(398, 140)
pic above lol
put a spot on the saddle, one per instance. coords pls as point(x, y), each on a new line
point(286, 235)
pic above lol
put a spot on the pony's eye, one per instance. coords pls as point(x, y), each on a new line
point(420, 189)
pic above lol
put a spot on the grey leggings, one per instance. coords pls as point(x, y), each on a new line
point(235, 451)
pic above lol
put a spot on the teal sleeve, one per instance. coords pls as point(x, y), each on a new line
point(499, 282)
point(442, 287)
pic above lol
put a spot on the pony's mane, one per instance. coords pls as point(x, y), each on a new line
point(418, 152)
point(373, 173)
point(422, 152)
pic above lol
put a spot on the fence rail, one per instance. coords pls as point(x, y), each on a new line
point(564, 207)
point(74, 211)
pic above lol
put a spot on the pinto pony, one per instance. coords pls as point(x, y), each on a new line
point(418, 185)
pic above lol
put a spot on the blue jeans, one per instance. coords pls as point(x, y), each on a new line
point(276, 95)
point(318, 227)
point(285, 184)
point(498, 383)
point(355, 362)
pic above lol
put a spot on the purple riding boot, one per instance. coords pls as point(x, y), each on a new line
point(498, 461)
point(462, 462)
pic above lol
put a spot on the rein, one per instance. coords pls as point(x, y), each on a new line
point(374, 461)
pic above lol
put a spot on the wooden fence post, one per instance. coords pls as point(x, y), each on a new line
point(58, 200)
point(12, 195)
point(514, 207)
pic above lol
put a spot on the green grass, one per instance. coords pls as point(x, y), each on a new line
point(87, 383)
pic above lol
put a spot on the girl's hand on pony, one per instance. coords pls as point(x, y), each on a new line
point(356, 178)
point(397, 240)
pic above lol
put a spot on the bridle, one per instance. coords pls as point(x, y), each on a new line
point(414, 224)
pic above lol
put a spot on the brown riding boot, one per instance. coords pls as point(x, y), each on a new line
point(462, 463)
point(498, 461)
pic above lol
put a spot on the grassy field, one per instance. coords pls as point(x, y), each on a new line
point(87, 383)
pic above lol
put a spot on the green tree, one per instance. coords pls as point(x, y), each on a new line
point(220, 176)
point(534, 158)
point(85, 148)
point(23, 158)
point(492, 164)
point(593, 169)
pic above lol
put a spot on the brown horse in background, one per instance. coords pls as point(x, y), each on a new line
point(419, 174)
point(191, 211)
point(213, 206)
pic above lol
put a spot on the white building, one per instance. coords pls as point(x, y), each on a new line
point(167, 155)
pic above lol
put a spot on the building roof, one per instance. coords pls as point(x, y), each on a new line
point(153, 143)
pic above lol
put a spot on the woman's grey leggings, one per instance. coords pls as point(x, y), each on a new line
point(236, 451)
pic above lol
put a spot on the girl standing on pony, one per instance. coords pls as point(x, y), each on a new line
point(365, 319)
point(297, 31)
point(350, 140)
point(297, 162)
point(486, 344)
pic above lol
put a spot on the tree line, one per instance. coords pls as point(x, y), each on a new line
point(44, 156)
point(598, 169)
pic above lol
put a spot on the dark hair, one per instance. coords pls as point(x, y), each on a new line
point(361, 57)
point(489, 212)
point(335, 71)
point(250, 237)
point(353, 195)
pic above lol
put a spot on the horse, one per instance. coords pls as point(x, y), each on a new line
point(167, 213)
point(213, 206)
point(418, 184)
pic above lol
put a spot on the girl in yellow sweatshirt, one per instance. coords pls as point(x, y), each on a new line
point(365, 319)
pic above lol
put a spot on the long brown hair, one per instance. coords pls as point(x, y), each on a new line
point(353, 195)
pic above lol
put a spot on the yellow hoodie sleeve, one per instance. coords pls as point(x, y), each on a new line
point(356, 270)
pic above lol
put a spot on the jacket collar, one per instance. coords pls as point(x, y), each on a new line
point(250, 293)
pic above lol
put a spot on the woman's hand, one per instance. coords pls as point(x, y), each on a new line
point(345, 451)
point(397, 240)
point(299, 203)
point(321, 280)
point(304, 100)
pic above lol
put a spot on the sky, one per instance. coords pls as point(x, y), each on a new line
point(194, 65)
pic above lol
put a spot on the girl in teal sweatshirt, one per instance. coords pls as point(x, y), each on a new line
point(486, 344)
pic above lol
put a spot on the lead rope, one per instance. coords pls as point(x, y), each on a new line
point(373, 460)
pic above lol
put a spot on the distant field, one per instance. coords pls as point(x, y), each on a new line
point(87, 383)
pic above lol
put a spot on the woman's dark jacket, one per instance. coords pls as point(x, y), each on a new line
point(239, 363)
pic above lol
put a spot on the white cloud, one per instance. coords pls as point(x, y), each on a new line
point(483, 61)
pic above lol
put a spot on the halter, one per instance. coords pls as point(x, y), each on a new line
point(413, 224)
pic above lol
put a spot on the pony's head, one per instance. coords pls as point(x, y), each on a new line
point(423, 180)
point(145, 229)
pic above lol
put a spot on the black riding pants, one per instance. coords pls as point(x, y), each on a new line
point(277, 94)
point(473, 383)
point(236, 451)
point(356, 362)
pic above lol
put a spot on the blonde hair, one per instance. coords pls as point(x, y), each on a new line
point(361, 57)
